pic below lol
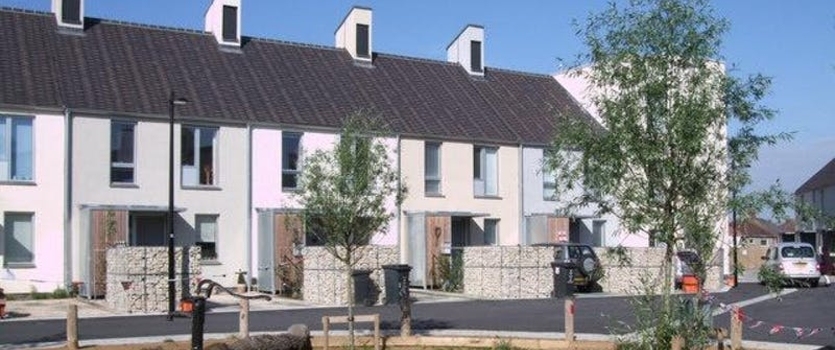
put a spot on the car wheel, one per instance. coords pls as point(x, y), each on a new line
point(813, 283)
point(587, 266)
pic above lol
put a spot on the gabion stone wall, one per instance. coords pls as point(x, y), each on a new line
point(522, 272)
point(508, 272)
point(137, 277)
point(324, 276)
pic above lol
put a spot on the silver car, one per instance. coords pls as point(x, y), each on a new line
point(796, 261)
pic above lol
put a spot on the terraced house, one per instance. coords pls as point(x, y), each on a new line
point(84, 118)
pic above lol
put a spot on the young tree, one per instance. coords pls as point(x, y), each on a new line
point(661, 160)
point(347, 193)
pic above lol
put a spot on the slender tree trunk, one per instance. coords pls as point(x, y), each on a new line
point(350, 285)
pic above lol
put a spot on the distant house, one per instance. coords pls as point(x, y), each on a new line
point(819, 192)
point(757, 232)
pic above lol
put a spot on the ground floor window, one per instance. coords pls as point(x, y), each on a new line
point(206, 227)
point(18, 233)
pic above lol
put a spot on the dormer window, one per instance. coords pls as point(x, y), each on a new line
point(71, 11)
point(362, 41)
point(230, 23)
point(69, 14)
point(475, 56)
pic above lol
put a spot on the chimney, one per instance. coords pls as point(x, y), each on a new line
point(223, 19)
point(354, 34)
point(468, 49)
point(69, 13)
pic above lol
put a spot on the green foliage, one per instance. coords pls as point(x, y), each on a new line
point(620, 255)
point(58, 293)
point(772, 279)
point(451, 272)
point(656, 325)
point(502, 344)
point(663, 158)
point(346, 193)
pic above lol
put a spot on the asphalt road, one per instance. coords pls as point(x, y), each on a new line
point(810, 308)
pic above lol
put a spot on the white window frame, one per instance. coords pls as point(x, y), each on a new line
point(198, 237)
point(123, 165)
point(481, 182)
point(431, 178)
point(6, 156)
point(495, 224)
point(549, 184)
point(190, 175)
point(287, 171)
point(7, 236)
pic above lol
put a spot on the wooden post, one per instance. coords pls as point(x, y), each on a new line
point(72, 326)
point(377, 332)
point(325, 328)
point(736, 328)
point(569, 320)
point(243, 325)
point(677, 343)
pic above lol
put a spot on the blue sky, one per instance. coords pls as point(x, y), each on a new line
point(793, 42)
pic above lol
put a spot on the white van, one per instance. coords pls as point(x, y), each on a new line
point(797, 261)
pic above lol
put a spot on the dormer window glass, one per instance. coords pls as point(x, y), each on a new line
point(475, 56)
point(71, 11)
point(230, 23)
point(362, 41)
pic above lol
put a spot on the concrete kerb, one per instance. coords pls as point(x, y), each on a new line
point(437, 338)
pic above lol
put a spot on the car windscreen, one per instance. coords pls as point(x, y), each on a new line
point(797, 252)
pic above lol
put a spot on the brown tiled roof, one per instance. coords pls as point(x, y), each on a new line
point(757, 228)
point(823, 178)
point(128, 68)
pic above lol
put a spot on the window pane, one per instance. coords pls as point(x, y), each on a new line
point(289, 180)
point(3, 155)
point(21, 149)
point(477, 163)
point(206, 226)
point(187, 147)
point(491, 172)
point(18, 241)
point(121, 142)
point(433, 186)
point(121, 174)
point(207, 156)
point(432, 167)
point(490, 230)
point(290, 152)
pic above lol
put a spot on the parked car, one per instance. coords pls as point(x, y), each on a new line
point(583, 257)
point(794, 260)
point(685, 263)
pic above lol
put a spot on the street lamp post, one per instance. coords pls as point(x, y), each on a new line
point(171, 279)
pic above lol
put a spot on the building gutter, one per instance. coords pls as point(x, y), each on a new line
point(68, 263)
point(249, 206)
point(404, 249)
point(521, 188)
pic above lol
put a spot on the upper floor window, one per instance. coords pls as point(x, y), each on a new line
point(432, 168)
point(199, 156)
point(19, 239)
point(15, 148)
point(485, 171)
point(549, 185)
point(122, 164)
point(290, 151)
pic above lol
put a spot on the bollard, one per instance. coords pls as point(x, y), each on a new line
point(405, 306)
point(569, 320)
point(198, 318)
point(72, 325)
point(243, 324)
point(736, 328)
